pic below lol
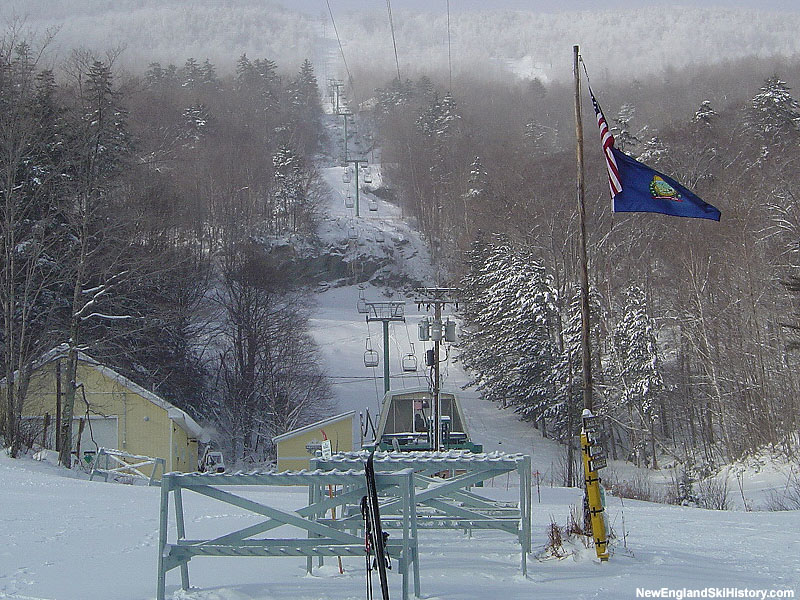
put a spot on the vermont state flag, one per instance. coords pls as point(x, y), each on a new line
point(646, 190)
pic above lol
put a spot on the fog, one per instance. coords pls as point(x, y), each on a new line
point(546, 6)
point(624, 40)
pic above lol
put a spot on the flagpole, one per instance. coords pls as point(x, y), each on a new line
point(584, 269)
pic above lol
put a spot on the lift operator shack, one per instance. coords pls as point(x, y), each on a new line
point(406, 422)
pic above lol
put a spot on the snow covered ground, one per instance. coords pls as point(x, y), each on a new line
point(66, 538)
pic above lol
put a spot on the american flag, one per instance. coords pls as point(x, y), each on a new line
point(608, 143)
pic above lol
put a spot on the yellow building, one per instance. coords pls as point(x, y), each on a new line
point(115, 413)
point(296, 448)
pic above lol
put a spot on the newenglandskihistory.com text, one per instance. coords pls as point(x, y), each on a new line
point(713, 592)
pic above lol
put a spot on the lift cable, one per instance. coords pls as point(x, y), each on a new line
point(394, 41)
point(374, 374)
point(449, 52)
point(417, 373)
point(341, 49)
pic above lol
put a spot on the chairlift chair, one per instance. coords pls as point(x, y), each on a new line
point(361, 305)
point(349, 202)
point(373, 205)
point(367, 176)
point(379, 237)
point(370, 356)
point(346, 178)
point(352, 233)
point(410, 361)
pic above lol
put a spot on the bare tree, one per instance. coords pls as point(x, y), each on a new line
point(30, 180)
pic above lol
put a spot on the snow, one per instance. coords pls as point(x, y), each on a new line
point(104, 547)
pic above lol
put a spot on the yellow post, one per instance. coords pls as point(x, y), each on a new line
point(593, 460)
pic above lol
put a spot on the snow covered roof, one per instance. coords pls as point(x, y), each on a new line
point(180, 417)
point(312, 426)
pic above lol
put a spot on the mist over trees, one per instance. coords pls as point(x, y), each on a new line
point(137, 222)
point(644, 43)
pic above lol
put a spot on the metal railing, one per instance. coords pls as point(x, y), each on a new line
point(109, 462)
point(321, 538)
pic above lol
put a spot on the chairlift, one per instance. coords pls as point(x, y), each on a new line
point(410, 361)
point(379, 237)
point(370, 356)
point(346, 177)
point(367, 175)
point(361, 305)
point(352, 233)
point(349, 202)
point(373, 205)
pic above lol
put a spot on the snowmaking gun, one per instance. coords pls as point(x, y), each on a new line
point(211, 461)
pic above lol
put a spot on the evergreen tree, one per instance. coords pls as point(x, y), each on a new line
point(509, 316)
point(104, 123)
point(440, 118)
point(191, 75)
point(31, 230)
point(290, 190)
point(624, 139)
point(476, 195)
point(477, 184)
point(102, 146)
point(639, 366)
point(306, 108)
point(567, 400)
point(246, 76)
point(154, 75)
point(396, 95)
point(705, 115)
point(208, 76)
point(774, 113)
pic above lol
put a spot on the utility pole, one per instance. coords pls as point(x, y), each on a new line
point(357, 162)
point(436, 330)
point(386, 312)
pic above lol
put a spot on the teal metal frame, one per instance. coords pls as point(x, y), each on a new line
point(322, 538)
point(451, 502)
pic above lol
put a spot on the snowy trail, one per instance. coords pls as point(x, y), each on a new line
point(341, 332)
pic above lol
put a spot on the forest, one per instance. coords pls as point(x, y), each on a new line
point(137, 217)
point(694, 323)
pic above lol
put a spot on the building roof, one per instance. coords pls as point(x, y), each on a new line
point(313, 426)
point(180, 417)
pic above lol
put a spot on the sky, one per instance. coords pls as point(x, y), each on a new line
point(316, 6)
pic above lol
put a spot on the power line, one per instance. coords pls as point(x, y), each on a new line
point(394, 41)
point(341, 49)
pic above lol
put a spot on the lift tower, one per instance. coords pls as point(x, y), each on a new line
point(357, 162)
point(386, 312)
